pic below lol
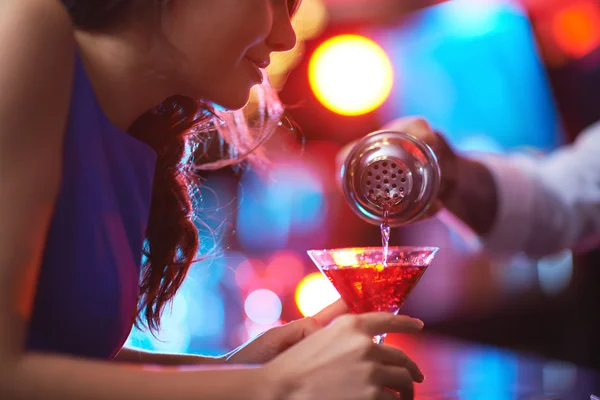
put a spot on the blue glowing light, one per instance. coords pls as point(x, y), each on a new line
point(487, 374)
point(269, 211)
point(471, 68)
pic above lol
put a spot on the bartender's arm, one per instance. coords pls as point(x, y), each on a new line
point(550, 203)
point(518, 203)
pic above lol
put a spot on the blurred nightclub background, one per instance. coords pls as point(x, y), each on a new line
point(494, 76)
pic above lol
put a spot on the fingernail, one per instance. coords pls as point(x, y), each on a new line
point(419, 322)
point(422, 379)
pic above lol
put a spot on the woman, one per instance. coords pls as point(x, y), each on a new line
point(81, 199)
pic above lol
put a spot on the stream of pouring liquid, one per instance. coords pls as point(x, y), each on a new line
point(385, 234)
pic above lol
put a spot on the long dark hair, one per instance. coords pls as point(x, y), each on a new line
point(171, 241)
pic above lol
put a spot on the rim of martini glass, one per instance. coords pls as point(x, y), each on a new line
point(377, 248)
point(431, 250)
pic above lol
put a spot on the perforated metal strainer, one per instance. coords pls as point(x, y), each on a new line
point(393, 169)
point(385, 181)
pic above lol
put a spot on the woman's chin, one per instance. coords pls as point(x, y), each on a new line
point(234, 101)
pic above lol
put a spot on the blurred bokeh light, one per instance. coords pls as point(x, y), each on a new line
point(314, 293)
point(577, 27)
point(270, 210)
point(263, 307)
point(350, 75)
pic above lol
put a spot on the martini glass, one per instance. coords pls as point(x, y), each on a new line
point(368, 282)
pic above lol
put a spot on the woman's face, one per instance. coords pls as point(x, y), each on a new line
point(225, 43)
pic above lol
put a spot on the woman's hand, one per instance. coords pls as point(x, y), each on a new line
point(269, 344)
point(341, 362)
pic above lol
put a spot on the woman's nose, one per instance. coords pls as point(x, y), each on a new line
point(282, 36)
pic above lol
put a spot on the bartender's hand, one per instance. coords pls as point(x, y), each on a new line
point(467, 187)
point(448, 160)
point(271, 343)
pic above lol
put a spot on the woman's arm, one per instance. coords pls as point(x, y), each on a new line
point(36, 46)
point(129, 355)
point(55, 377)
point(263, 348)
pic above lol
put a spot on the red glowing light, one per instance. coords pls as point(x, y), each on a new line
point(576, 28)
point(285, 267)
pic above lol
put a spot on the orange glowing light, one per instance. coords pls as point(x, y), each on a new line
point(576, 28)
point(350, 75)
point(314, 293)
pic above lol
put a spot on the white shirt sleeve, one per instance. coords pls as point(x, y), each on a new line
point(550, 203)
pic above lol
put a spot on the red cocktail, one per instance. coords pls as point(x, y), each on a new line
point(367, 281)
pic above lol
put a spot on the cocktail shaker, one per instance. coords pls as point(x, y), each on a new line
point(390, 171)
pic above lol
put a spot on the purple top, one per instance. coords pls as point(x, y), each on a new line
point(87, 291)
